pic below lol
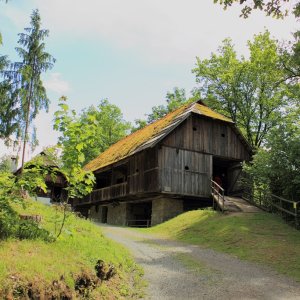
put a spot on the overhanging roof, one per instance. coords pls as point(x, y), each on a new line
point(150, 135)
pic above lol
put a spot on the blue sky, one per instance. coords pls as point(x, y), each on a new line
point(132, 52)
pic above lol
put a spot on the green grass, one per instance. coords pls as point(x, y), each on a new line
point(257, 237)
point(75, 252)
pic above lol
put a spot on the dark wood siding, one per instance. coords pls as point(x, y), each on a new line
point(185, 172)
point(208, 136)
point(143, 172)
point(235, 175)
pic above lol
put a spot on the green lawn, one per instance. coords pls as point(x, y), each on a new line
point(73, 255)
point(257, 237)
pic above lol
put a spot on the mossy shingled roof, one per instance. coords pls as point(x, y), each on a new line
point(150, 135)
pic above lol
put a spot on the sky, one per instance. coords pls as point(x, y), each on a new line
point(131, 52)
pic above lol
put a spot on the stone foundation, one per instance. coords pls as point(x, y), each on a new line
point(95, 213)
point(117, 215)
point(164, 209)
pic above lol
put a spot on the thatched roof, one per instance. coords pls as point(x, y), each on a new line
point(151, 134)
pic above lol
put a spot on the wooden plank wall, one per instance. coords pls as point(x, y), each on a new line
point(185, 172)
point(143, 172)
point(207, 136)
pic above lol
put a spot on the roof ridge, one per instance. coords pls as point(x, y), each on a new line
point(152, 133)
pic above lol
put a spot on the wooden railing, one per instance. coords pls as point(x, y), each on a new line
point(107, 193)
point(138, 223)
point(288, 209)
point(217, 193)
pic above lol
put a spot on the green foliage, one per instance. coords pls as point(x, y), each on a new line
point(276, 168)
point(6, 163)
point(30, 230)
point(77, 250)
point(277, 8)
point(253, 91)
point(174, 100)
point(291, 59)
point(29, 94)
point(7, 112)
point(8, 220)
point(110, 127)
point(75, 140)
point(139, 124)
point(13, 189)
point(86, 135)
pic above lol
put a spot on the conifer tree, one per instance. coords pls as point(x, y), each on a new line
point(26, 76)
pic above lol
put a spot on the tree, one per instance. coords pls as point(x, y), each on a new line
point(30, 94)
point(253, 91)
point(75, 141)
point(274, 8)
point(291, 59)
point(90, 132)
point(276, 167)
point(174, 100)
point(7, 111)
point(139, 124)
point(6, 163)
point(110, 127)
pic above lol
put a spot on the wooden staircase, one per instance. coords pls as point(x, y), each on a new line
point(230, 204)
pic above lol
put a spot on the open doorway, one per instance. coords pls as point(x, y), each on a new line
point(227, 173)
point(104, 214)
point(139, 214)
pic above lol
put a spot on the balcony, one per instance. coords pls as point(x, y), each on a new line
point(107, 193)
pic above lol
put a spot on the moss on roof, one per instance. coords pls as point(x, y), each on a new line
point(132, 142)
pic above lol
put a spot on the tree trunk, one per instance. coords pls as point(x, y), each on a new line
point(26, 127)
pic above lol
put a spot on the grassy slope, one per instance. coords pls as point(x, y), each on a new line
point(259, 237)
point(77, 250)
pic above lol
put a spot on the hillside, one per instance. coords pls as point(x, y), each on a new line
point(257, 237)
point(65, 268)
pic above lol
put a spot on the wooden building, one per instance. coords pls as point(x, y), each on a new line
point(55, 180)
point(165, 168)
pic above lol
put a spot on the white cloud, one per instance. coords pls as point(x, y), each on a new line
point(56, 84)
point(17, 16)
point(161, 31)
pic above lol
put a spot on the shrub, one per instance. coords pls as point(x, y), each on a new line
point(28, 229)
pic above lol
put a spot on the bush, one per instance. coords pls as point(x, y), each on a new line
point(28, 229)
point(7, 225)
point(12, 190)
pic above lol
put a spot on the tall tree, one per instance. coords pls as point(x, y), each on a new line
point(26, 76)
point(252, 91)
point(4, 89)
point(173, 100)
point(110, 128)
point(90, 132)
point(276, 167)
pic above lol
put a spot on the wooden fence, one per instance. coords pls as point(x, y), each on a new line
point(289, 210)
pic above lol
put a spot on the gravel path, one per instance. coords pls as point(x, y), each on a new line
point(178, 271)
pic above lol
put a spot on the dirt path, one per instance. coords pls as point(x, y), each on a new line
point(179, 271)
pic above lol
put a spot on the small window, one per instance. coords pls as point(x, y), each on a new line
point(223, 135)
point(137, 170)
point(186, 168)
point(194, 128)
